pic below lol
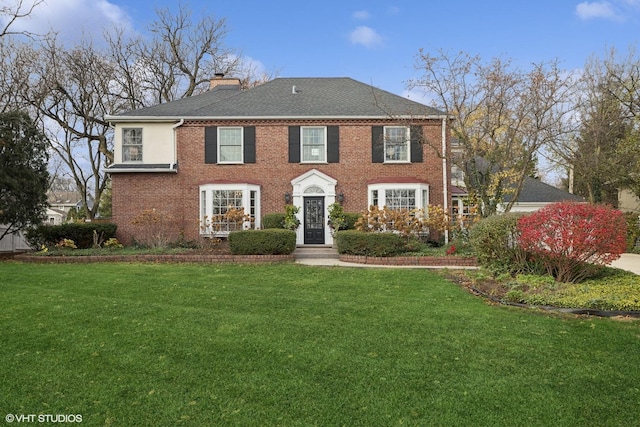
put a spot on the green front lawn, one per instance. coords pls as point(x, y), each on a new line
point(291, 345)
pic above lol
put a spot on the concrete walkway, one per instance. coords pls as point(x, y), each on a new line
point(630, 262)
point(328, 256)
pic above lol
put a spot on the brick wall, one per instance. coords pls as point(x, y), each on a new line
point(177, 195)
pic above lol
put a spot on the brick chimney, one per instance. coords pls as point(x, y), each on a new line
point(220, 80)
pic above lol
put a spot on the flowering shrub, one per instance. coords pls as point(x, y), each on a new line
point(572, 239)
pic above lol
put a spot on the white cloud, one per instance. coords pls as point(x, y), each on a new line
point(594, 10)
point(613, 10)
point(74, 19)
point(361, 15)
point(365, 36)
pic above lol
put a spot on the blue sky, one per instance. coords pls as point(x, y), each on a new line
point(376, 42)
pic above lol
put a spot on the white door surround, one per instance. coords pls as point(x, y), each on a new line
point(317, 184)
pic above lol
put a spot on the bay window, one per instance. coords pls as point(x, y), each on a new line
point(228, 207)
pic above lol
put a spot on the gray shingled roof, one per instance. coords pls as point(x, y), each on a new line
point(289, 98)
point(536, 191)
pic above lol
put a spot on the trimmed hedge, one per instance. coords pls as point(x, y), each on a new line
point(80, 232)
point(273, 220)
point(262, 242)
point(353, 242)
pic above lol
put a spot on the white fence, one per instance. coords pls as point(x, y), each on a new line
point(13, 242)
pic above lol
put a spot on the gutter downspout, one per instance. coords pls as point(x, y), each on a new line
point(175, 142)
point(445, 186)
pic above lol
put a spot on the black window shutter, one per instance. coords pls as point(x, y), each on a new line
point(333, 144)
point(294, 144)
point(211, 144)
point(377, 144)
point(249, 144)
point(416, 144)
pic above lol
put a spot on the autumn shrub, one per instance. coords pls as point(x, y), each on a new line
point(407, 223)
point(495, 242)
point(151, 228)
point(573, 239)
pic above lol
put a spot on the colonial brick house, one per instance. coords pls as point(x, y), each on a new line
point(305, 141)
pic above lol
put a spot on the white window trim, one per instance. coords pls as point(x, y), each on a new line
point(407, 142)
point(246, 189)
point(302, 160)
point(419, 188)
point(140, 146)
point(219, 145)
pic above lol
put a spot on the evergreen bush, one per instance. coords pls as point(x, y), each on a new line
point(273, 220)
point(82, 234)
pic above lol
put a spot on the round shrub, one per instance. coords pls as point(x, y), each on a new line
point(262, 242)
point(495, 242)
point(353, 242)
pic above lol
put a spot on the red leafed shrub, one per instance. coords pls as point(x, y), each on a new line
point(573, 239)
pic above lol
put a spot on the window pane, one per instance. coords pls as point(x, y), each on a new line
point(230, 144)
point(132, 145)
point(222, 202)
point(313, 145)
point(400, 199)
point(396, 144)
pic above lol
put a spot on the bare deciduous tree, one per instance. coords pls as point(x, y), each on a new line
point(10, 13)
point(503, 117)
point(71, 90)
point(604, 151)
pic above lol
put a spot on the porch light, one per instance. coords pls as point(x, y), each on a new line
point(340, 198)
point(287, 197)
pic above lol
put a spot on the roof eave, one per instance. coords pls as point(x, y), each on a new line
point(157, 119)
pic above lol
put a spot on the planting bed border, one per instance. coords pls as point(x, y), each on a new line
point(578, 311)
point(422, 261)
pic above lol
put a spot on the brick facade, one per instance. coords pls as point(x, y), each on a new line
point(176, 196)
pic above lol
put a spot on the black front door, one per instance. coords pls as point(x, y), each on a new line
point(314, 220)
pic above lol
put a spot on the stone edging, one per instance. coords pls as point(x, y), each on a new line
point(425, 261)
point(246, 259)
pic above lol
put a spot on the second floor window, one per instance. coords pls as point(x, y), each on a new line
point(396, 144)
point(314, 144)
point(132, 145)
point(230, 145)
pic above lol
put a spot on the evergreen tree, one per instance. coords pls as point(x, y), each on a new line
point(23, 172)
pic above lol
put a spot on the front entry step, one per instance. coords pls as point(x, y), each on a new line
point(318, 252)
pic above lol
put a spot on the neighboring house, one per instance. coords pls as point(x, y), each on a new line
point(305, 141)
point(628, 202)
point(60, 203)
point(534, 195)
